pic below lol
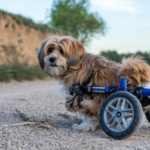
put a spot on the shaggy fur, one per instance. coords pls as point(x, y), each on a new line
point(75, 66)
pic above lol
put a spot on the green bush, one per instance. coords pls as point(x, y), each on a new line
point(4, 75)
point(21, 72)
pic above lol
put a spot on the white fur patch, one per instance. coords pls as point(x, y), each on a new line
point(88, 124)
point(64, 90)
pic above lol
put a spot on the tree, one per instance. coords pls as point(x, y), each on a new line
point(72, 17)
point(113, 55)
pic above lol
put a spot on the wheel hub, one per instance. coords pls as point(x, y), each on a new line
point(118, 114)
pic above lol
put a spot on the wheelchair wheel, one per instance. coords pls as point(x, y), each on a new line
point(147, 114)
point(120, 115)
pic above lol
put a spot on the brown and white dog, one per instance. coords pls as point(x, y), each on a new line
point(65, 59)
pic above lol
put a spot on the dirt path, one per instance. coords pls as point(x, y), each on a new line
point(42, 99)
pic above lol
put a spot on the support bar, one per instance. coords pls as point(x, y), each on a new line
point(100, 89)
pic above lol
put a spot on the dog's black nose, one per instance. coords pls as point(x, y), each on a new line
point(52, 59)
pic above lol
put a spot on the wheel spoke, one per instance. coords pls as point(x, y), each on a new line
point(126, 110)
point(110, 119)
point(109, 111)
point(114, 108)
point(119, 124)
point(123, 104)
point(113, 123)
point(124, 122)
point(128, 115)
point(118, 104)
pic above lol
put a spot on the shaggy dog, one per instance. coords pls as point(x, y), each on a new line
point(65, 59)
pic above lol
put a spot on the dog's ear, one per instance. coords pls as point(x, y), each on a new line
point(41, 54)
point(73, 47)
point(77, 48)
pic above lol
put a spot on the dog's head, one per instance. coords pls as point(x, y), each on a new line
point(56, 54)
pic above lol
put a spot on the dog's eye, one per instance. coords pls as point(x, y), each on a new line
point(50, 49)
point(61, 51)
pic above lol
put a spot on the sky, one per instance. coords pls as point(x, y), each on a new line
point(128, 22)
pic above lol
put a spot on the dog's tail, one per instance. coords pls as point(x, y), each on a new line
point(135, 70)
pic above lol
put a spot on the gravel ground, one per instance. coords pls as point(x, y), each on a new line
point(42, 99)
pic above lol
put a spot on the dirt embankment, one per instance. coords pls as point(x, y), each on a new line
point(18, 42)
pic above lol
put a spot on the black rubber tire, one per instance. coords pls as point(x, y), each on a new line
point(136, 120)
point(147, 114)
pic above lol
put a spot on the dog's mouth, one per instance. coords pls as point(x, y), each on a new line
point(53, 65)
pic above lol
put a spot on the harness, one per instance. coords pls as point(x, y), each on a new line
point(79, 90)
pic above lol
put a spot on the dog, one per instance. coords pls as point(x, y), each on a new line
point(65, 59)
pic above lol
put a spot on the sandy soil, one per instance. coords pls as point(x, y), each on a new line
point(42, 99)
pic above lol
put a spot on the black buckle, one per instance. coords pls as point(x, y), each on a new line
point(138, 92)
point(112, 89)
point(78, 92)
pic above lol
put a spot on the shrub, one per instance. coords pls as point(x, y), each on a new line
point(21, 72)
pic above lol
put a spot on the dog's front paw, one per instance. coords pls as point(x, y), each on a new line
point(81, 128)
point(85, 125)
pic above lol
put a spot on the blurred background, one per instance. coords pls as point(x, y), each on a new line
point(112, 28)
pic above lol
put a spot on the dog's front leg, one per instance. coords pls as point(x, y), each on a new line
point(90, 121)
point(90, 106)
point(88, 124)
point(74, 107)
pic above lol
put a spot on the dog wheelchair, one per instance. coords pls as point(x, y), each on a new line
point(121, 113)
